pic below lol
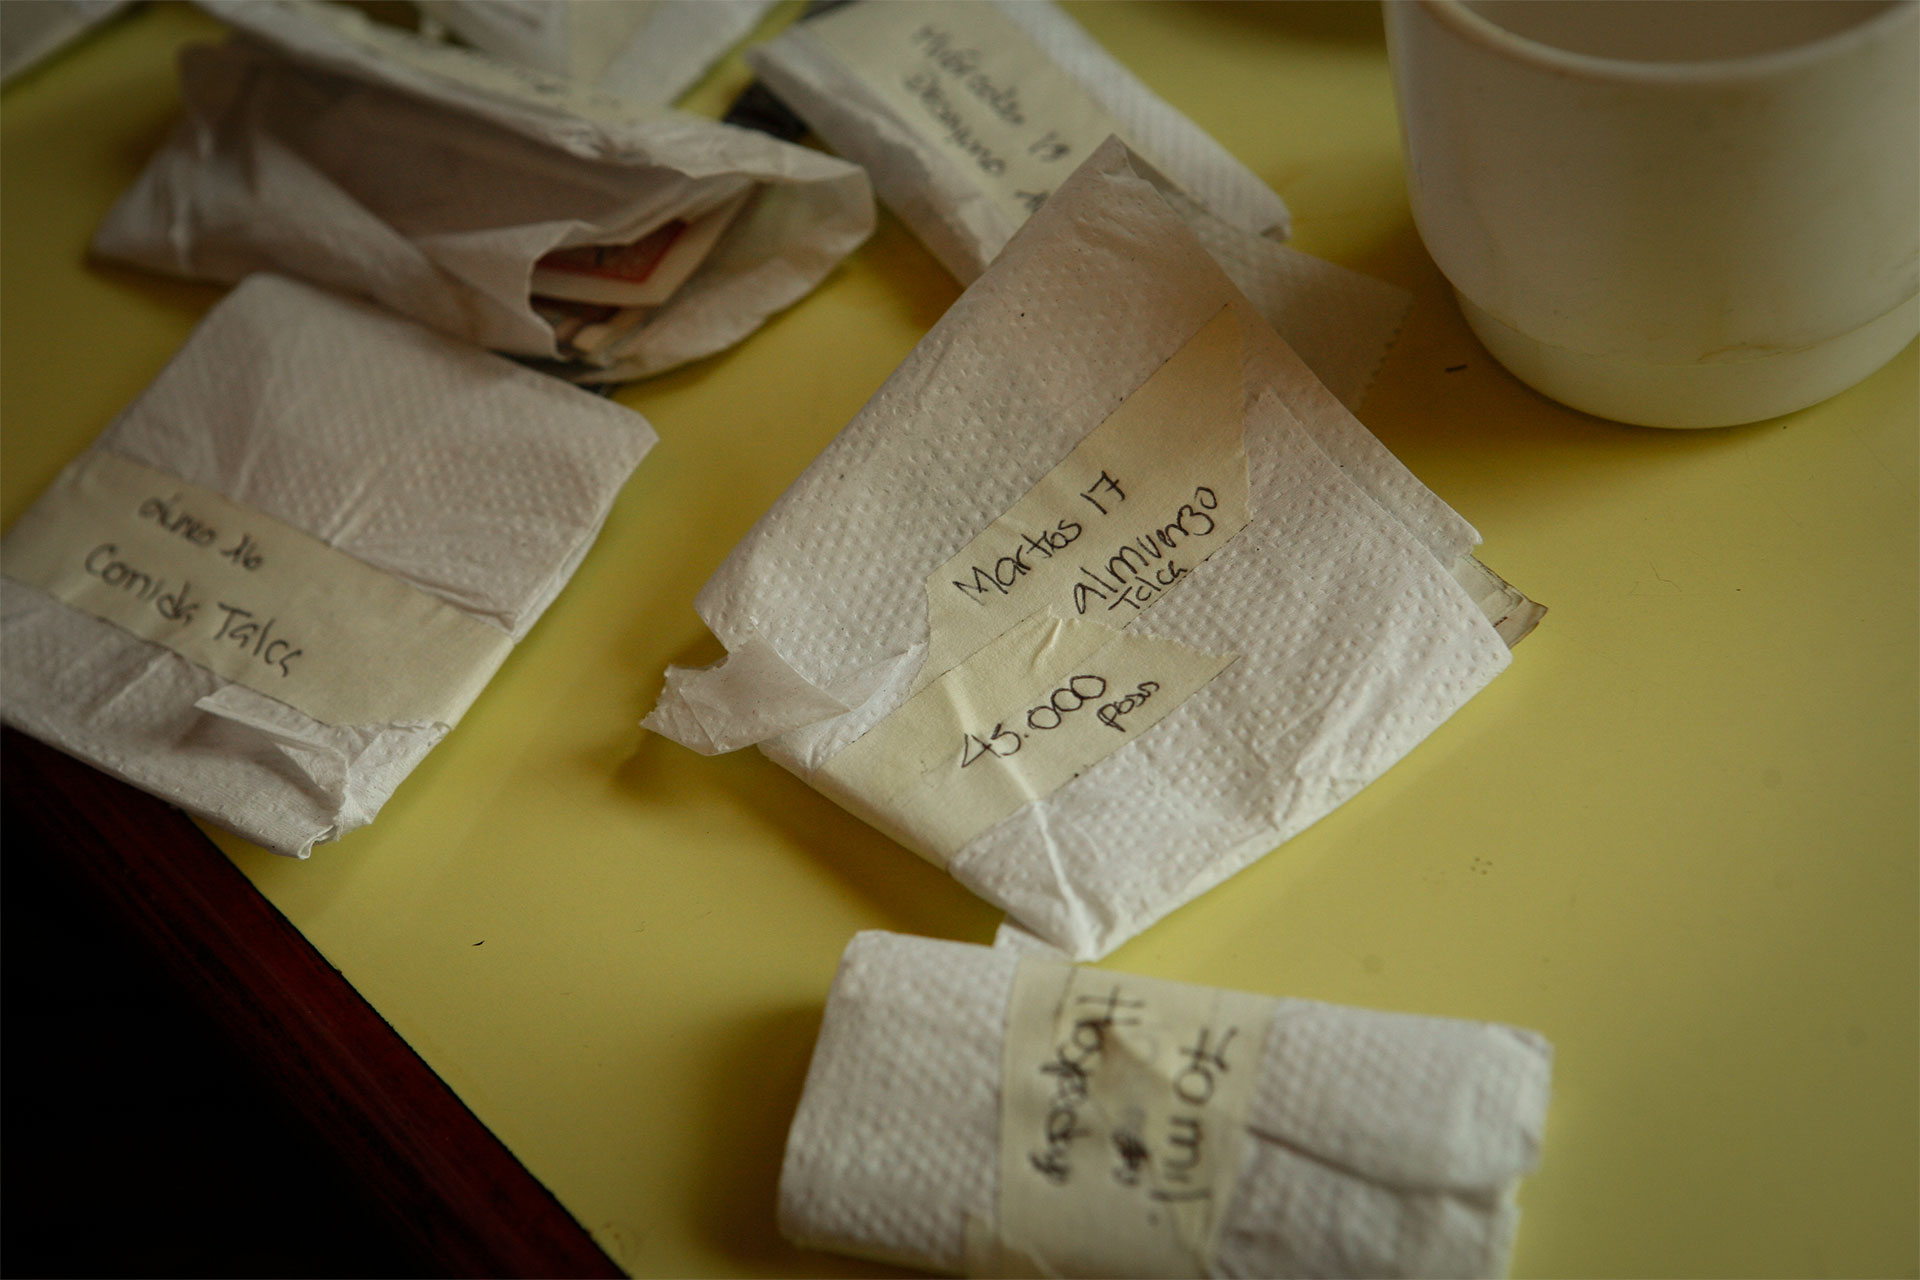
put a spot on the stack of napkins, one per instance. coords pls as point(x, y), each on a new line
point(955, 624)
point(1362, 1143)
point(347, 519)
point(438, 181)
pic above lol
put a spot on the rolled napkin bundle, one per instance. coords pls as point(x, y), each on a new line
point(438, 182)
point(1343, 1142)
point(968, 115)
point(277, 579)
point(1103, 595)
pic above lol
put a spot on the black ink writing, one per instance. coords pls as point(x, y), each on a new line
point(1043, 717)
point(1065, 700)
point(1140, 570)
point(1194, 1084)
point(1132, 1149)
point(245, 553)
point(104, 563)
point(1004, 571)
point(1111, 713)
point(169, 515)
point(1108, 485)
point(255, 636)
point(1072, 1069)
point(963, 65)
point(1049, 147)
point(1001, 742)
point(1183, 1134)
point(926, 89)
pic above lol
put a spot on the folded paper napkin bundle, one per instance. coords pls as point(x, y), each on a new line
point(1365, 1144)
point(1090, 712)
point(434, 180)
point(968, 114)
point(647, 51)
point(455, 488)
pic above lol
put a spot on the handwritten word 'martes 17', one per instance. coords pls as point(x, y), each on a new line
point(1010, 568)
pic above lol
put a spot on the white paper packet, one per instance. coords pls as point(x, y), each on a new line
point(1339, 609)
point(643, 51)
point(475, 482)
point(1059, 95)
point(1373, 1144)
point(999, 100)
point(431, 180)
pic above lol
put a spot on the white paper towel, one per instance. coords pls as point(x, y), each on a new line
point(1352, 636)
point(462, 474)
point(420, 176)
point(932, 191)
point(1379, 1144)
point(642, 51)
point(1339, 321)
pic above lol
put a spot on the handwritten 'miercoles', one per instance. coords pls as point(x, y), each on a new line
point(951, 71)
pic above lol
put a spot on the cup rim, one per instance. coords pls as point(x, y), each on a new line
point(1472, 26)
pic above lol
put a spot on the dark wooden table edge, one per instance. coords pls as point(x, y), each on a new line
point(449, 1184)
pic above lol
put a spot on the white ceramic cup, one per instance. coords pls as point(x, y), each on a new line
point(1680, 213)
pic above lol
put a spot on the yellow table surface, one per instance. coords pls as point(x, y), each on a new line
point(1678, 836)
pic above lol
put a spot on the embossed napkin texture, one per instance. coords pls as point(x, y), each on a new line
point(927, 188)
point(458, 472)
point(646, 51)
point(316, 155)
point(1380, 1144)
point(1355, 640)
point(1339, 321)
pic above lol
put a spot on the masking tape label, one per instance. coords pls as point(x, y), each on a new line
point(1123, 1104)
point(1148, 494)
point(1027, 713)
point(248, 597)
point(968, 80)
point(1032, 675)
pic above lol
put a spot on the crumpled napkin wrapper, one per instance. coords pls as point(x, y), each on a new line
point(431, 180)
point(930, 188)
point(1358, 615)
point(468, 477)
point(642, 51)
point(1378, 1144)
